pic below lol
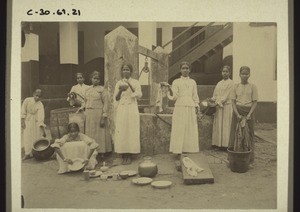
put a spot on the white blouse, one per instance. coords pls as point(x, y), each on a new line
point(184, 92)
point(129, 97)
point(222, 92)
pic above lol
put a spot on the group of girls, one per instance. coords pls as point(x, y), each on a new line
point(233, 102)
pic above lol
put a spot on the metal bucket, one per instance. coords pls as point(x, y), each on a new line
point(238, 161)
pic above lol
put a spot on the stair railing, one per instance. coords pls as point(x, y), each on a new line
point(171, 61)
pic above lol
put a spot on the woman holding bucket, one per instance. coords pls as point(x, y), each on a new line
point(32, 121)
point(184, 134)
point(127, 120)
point(96, 106)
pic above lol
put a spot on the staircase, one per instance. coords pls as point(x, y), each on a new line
point(192, 44)
point(199, 46)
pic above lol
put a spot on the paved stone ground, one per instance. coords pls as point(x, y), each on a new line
point(42, 187)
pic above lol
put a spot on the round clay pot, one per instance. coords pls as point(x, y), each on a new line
point(41, 149)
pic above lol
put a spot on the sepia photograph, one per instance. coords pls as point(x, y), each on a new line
point(148, 106)
point(155, 113)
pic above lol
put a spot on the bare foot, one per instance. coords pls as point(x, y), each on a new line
point(128, 160)
point(124, 161)
point(26, 157)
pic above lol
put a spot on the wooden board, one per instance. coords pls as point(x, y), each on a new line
point(203, 177)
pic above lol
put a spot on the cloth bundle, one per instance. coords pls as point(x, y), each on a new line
point(242, 136)
point(191, 167)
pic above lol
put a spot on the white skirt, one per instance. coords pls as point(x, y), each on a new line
point(222, 126)
point(127, 131)
point(72, 150)
point(184, 135)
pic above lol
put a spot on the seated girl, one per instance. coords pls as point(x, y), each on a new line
point(75, 145)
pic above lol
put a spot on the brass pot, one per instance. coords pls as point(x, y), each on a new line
point(147, 168)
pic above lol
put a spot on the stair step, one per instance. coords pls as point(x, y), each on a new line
point(220, 38)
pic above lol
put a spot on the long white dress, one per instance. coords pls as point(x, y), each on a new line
point(78, 148)
point(184, 135)
point(127, 119)
point(96, 106)
point(223, 116)
point(34, 114)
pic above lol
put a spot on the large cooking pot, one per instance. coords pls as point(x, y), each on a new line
point(41, 149)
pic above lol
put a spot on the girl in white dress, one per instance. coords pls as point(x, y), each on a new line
point(32, 121)
point(96, 109)
point(184, 135)
point(224, 111)
point(79, 90)
point(127, 119)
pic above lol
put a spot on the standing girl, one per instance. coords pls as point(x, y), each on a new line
point(32, 120)
point(223, 115)
point(79, 90)
point(96, 106)
point(244, 101)
point(184, 135)
point(127, 120)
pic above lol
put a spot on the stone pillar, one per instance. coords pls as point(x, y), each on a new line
point(120, 46)
point(147, 38)
point(68, 41)
point(159, 73)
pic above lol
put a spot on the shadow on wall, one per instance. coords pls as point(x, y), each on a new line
point(266, 112)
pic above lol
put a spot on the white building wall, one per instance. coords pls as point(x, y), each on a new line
point(256, 47)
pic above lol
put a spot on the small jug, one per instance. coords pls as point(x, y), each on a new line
point(147, 168)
